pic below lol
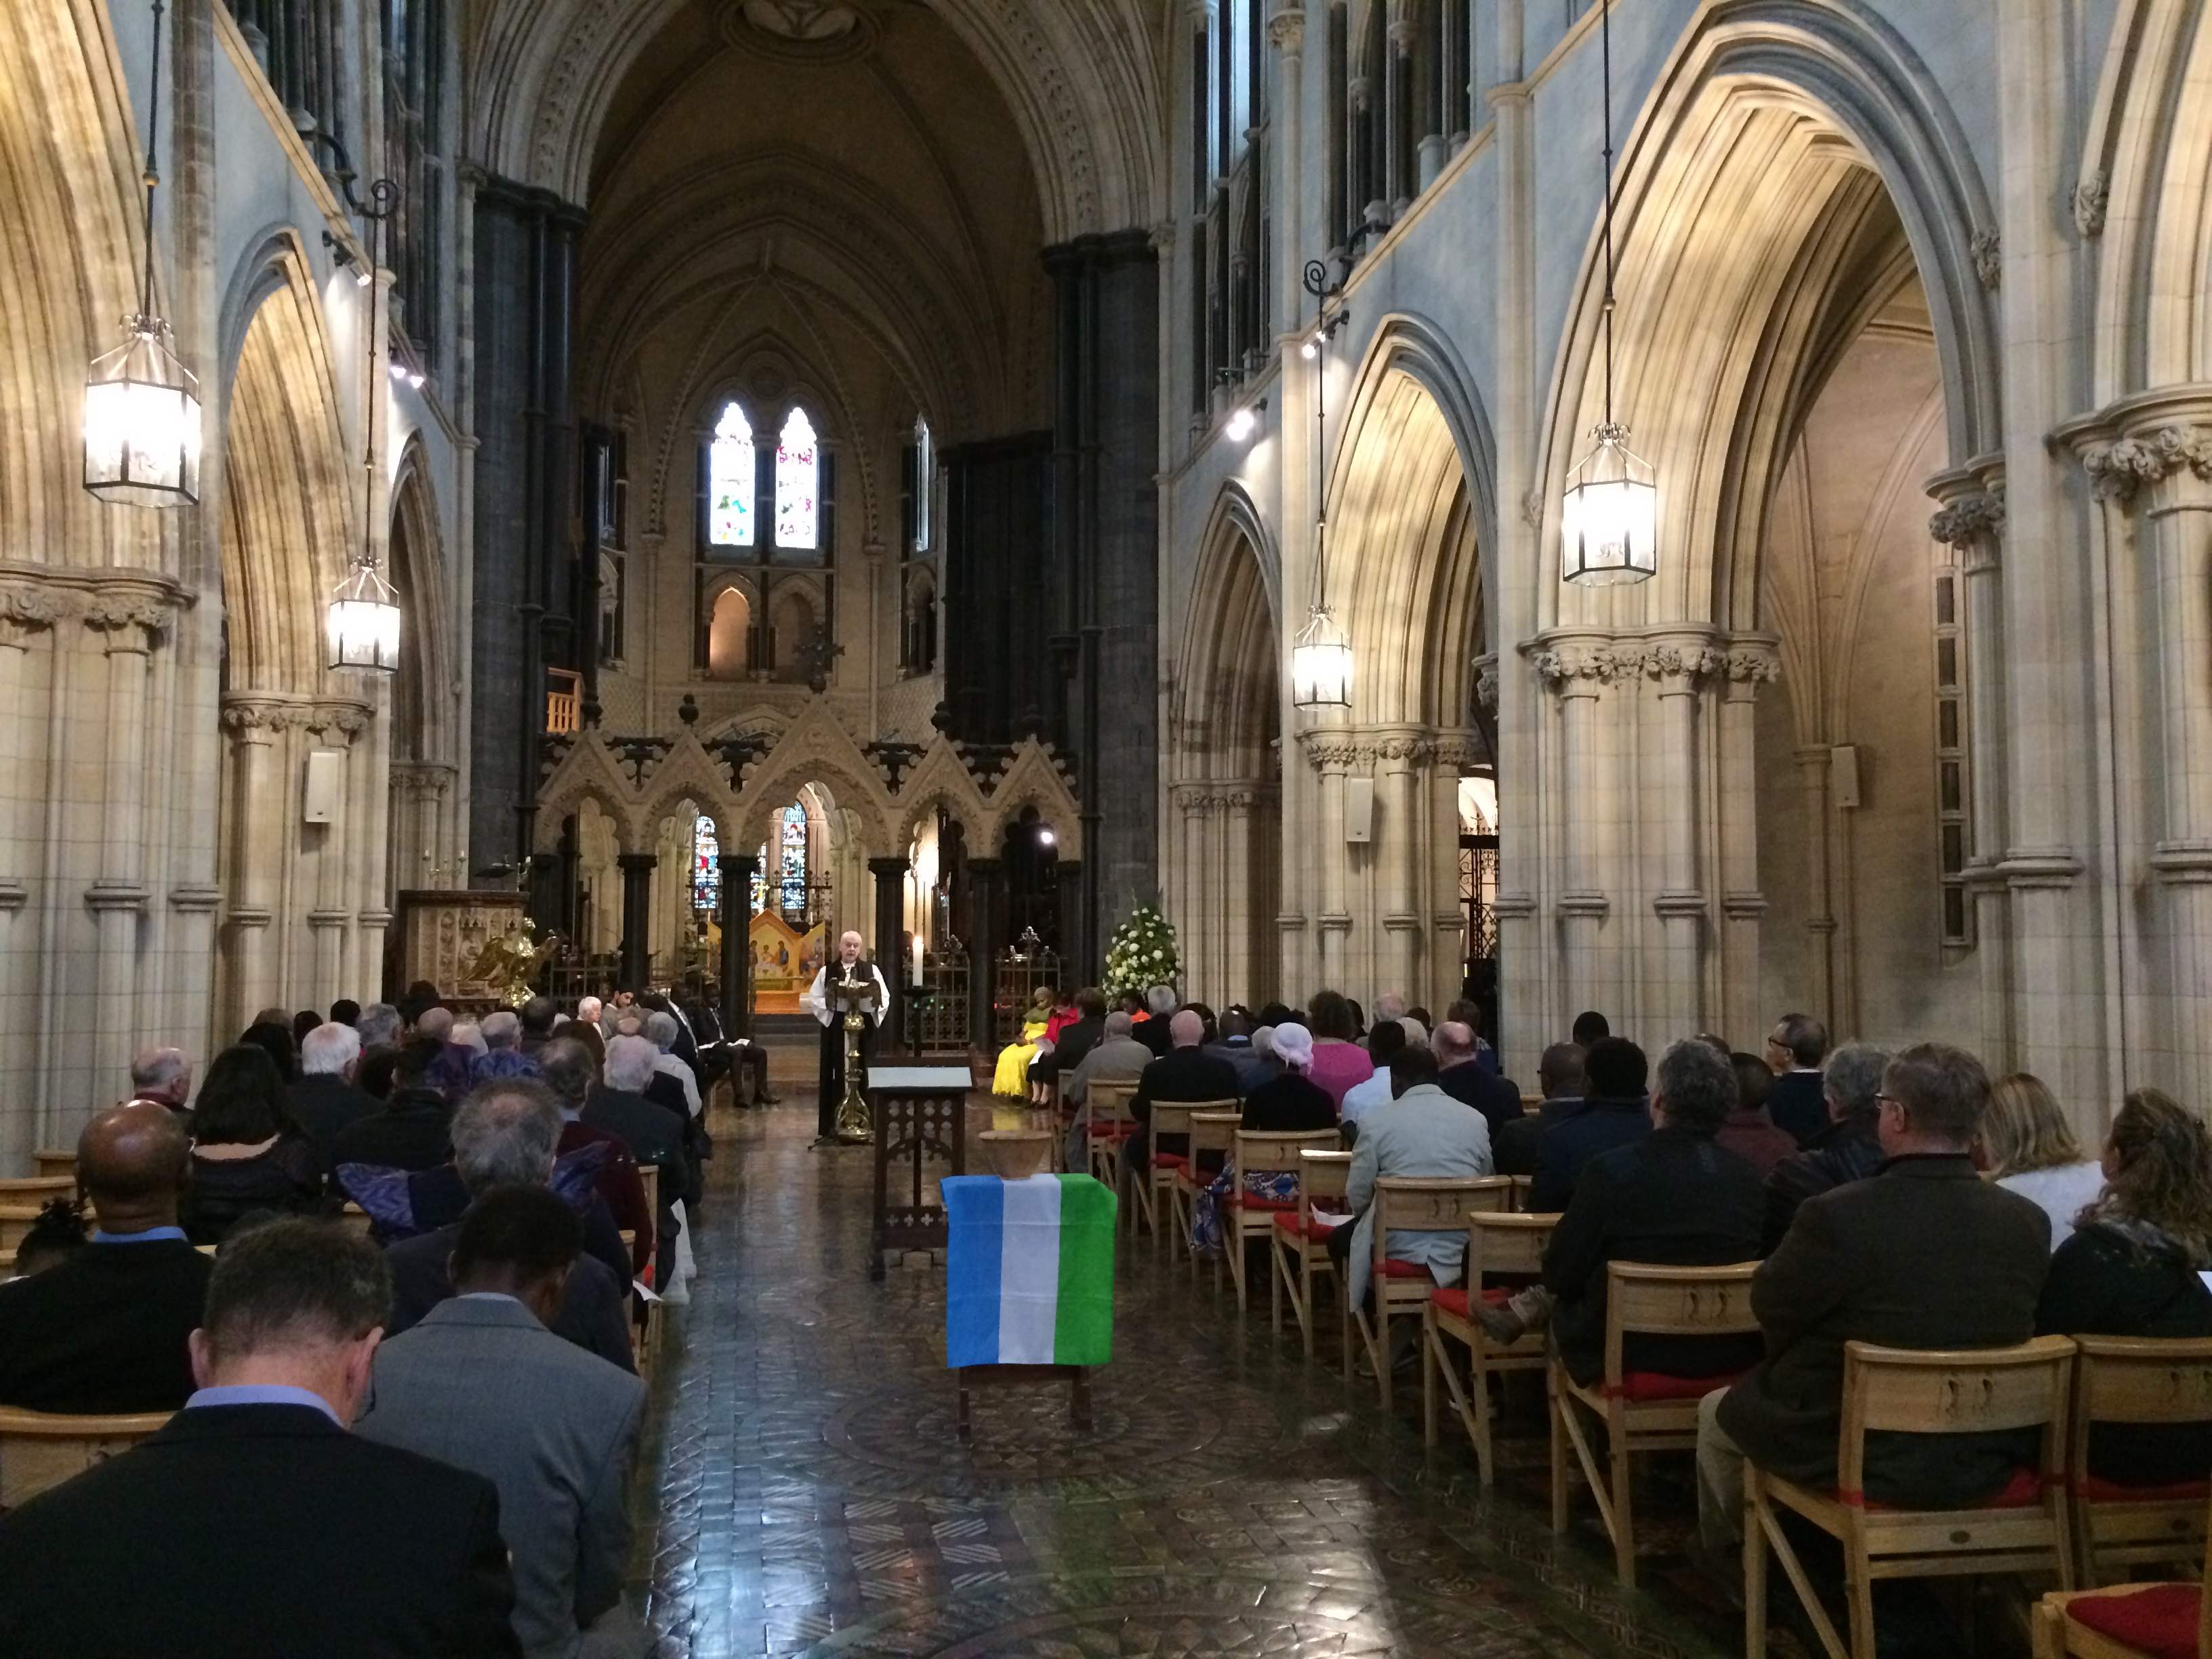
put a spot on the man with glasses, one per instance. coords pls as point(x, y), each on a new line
point(1794, 1049)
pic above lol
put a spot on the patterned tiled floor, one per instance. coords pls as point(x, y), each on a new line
point(803, 1490)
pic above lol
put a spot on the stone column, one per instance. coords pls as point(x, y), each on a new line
point(1578, 672)
point(890, 888)
point(985, 878)
point(1371, 210)
point(1679, 668)
point(637, 917)
point(1234, 976)
point(737, 871)
point(1331, 753)
point(2163, 469)
point(127, 635)
point(1075, 959)
point(1397, 802)
point(255, 763)
point(1750, 664)
point(1813, 764)
point(19, 838)
point(1287, 32)
point(1398, 187)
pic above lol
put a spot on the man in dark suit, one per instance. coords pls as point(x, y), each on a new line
point(505, 1137)
point(105, 1330)
point(1463, 1077)
point(1186, 1072)
point(483, 1385)
point(411, 1131)
point(254, 1526)
point(1076, 1039)
point(1675, 1198)
point(1559, 1076)
point(654, 1134)
point(1794, 1050)
point(325, 1100)
point(1848, 1150)
point(1156, 1030)
point(1611, 1114)
point(1924, 1253)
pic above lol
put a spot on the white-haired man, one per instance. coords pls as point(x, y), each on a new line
point(502, 1030)
point(162, 1076)
point(1153, 1030)
point(661, 1029)
point(821, 1002)
point(325, 1099)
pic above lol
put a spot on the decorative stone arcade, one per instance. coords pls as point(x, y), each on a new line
point(742, 779)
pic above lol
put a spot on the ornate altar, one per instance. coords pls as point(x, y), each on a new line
point(919, 1111)
point(443, 936)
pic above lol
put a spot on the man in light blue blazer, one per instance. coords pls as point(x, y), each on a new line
point(1423, 1131)
point(483, 1384)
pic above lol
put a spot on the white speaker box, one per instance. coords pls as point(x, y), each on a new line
point(325, 786)
point(1359, 809)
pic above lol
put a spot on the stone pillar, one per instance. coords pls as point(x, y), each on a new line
point(1287, 32)
point(1371, 210)
point(1397, 802)
point(1679, 668)
point(1749, 665)
point(117, 895)
point(890, 888)
point(637, 918)
point(20, 835)
point(1076, 962)
point(1813, 764)
point(1237, 892)
point(255, 770)
point(737, 871)
point(1398, 185)
point(1331, 754)
point(985, 893)
point(1578, 672)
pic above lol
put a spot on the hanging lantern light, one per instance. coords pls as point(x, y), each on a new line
point(1609, 519)
point(142, 406)
point(1321, 656)
point(1321, 663)
point(363, 620)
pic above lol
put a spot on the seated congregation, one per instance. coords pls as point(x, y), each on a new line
point(370, 1307)
point(1907, 1325)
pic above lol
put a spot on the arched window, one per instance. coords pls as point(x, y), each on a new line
point(792, 626)
point(706, 867)
point(730, 479)
point(798, 464)
point(729, 633)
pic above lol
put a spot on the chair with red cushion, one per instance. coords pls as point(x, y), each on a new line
point(2130, 1621)
point(1301, 1243)
point(1169, 1120)
point(1244, 1217)
point(1497, 1246)
point(1413, 1204)
point(1212, 1131)
point(1104, 1121)
point(2022, 1529)
point(1642, 1410)
point(2142, 1382)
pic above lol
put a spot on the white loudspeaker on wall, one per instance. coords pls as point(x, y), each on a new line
point(1843, 775)
point(1359, 809)
point(325, 786)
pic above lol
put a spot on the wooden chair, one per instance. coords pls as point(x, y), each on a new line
point(16, 1221)
point(37, 1189)
point(1509, 1245)
point(39, 1450)
point(1897, 1390)
point(2130, 1621)
point(647, 1339)
point(357, 1218)
point(1104, 1121)
point(1642, 1412)
point(1301, 1247)
point(55, 1161)
point(2135, 1380)
point(1412, 1204)
point(1244, 1217)
point(1212, 1129)
point(1520, 1185)
point(1167, 1120)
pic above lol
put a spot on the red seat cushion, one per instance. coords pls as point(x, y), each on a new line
point(1295, 1224)
point(1112, 1131)
point(1168, 1160)
point(2161, 1621)
point(1394, 1269)
point(2096, 1489)
point(1648, 1388)
point(1452, 1298)
point(1247, 1201)
point(2024, 1491)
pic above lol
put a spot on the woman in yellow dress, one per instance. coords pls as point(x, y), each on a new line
point(1011, 1079)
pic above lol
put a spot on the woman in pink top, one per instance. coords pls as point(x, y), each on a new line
point(1337, 1062)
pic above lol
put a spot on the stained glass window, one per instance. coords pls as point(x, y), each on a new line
point(730, 480)
point(793, 870)
point(760, 879)
point(706, 867)
point(798, 468)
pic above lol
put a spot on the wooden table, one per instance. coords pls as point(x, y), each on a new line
point(919, 1111)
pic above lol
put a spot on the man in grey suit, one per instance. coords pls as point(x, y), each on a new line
point(482, 1385)
point(1423, 1131)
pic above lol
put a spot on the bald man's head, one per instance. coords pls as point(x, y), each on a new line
point(1187, 1028)
point(133, 1161)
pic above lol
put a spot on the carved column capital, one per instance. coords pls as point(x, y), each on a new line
point(1578, 668)
point(1287, 31)
point(2118, 470)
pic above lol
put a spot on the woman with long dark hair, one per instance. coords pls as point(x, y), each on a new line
point(248, 1155)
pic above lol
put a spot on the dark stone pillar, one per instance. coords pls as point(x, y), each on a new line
point(985, 901)
point(522, 564)
point(736, 919)
point(1074, 949)
point(890, 906)
point(1106, 411)
point(637, 918)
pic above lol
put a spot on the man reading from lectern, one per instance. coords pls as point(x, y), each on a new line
point(822, 1002)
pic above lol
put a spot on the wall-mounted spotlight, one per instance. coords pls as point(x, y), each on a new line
point(344, 258)
point(1045, 837)
point(415, 378)
point(1242, 420)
